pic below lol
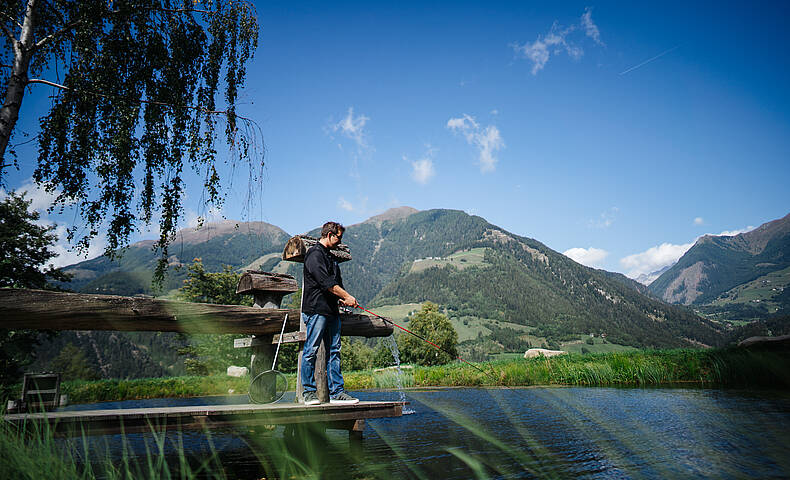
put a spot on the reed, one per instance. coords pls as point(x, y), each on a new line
point(724, 367)
point(33, 452)
point(719, 367)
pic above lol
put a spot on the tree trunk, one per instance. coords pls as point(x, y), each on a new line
point(48, 310)
point(17, 81)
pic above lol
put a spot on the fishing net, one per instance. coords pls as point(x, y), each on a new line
point(268, 387)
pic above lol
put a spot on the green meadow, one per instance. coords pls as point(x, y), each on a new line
point(712, 367)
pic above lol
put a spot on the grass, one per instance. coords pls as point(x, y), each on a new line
point(762, 289)
point(34, 453)
point(468, 327)
point(598, 346)
point(720, 367)
point(467, 258)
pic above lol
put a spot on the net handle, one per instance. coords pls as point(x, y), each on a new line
point(279, 341)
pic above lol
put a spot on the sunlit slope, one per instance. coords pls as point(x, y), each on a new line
point(517, 280)
point(727, 272)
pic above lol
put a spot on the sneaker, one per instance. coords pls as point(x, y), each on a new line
point(343, 398)
point(310, 398)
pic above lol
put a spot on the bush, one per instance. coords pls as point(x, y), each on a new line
point(436, 328)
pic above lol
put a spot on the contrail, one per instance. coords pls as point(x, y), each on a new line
point(649, 60)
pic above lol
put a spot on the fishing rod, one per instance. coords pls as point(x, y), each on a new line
point(426, 340)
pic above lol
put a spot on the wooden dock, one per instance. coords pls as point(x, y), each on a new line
point(206, 417)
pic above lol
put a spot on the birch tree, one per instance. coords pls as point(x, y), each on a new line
point(139, 91)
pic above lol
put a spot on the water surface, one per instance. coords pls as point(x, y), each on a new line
point(459, 433)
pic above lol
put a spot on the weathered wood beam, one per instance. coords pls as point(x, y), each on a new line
point(48, 310)
point(253, 281)
point(201, 417)
point(290, 337)
point(41, 309)
point(297, 246)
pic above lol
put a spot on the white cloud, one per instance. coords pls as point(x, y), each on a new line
point(352, 127)
point(423, 169)
point(345, 204)
point(539, 51)
point(65, 253)
point(730, 233)
point(654, 258)
point(605, 220)
point(487, 140)
point(193, 219)
point(590, 28)
point(666, 254)
point(558, 40)
point(40, 199)
point(591, 257)
point(699, 221)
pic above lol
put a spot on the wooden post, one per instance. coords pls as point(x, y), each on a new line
point(321, 380)
point(268, 290)
point(355, 432)
point(302, 330)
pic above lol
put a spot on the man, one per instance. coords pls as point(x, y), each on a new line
point(323, 288)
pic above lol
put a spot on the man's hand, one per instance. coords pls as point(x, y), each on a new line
point(349, 301)
point(345, 298)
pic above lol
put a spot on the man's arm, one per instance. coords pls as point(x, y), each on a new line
point(345, 297)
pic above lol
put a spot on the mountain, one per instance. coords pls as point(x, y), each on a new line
point(238, 244)
point(745, 272)
point(514, 279)
point(648, 278)
point(117, 354)
point(503, 291)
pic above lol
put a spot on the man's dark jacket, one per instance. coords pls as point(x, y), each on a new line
point(321, 272)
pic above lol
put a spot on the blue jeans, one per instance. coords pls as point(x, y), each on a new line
point(318, 327)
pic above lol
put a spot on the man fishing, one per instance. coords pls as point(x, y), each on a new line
point(323, 288)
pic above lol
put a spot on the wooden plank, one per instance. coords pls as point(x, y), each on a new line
point(42, 309)
point(290, 337)
point(47, 310)
point(199, 417)
point(297, 246)
point(252, 281)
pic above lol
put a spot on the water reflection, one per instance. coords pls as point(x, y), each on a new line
point(517, 433)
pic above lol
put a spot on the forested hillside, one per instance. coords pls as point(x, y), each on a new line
point(112, 354)
point(237, 244)
point(505, 291)
point(525, 282)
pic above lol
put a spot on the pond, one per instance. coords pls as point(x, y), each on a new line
point(553, 432)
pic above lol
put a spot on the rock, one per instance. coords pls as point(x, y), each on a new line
point(537, 352)
point(780, 342)
point(238, 371)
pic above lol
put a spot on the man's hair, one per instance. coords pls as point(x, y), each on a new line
point(332, 227)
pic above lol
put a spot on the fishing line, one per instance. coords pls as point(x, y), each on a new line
point(427, 341)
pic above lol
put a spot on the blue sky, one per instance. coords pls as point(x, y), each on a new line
point(617, 133)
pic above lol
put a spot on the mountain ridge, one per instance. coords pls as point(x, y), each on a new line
point(716, 265)
point(545, 291)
